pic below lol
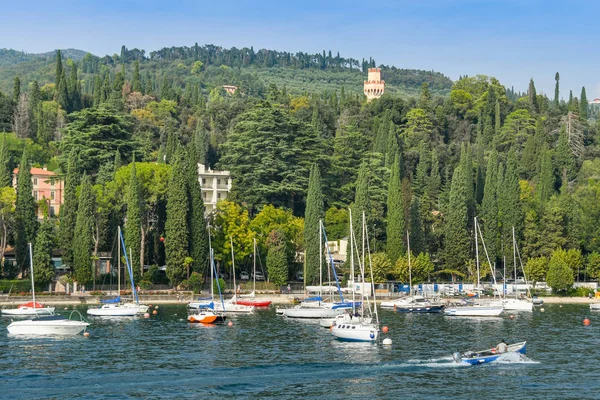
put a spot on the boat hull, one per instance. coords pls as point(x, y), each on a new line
point(141, 308)
point(112, 310)
point(229, 307)
point(310, 312)
point(47, 327)
point(25, 311)
point(595, 307)
point(254, 303)
point(420, 309)
point(355, 332)
point(488, 356)
point(517, 305)
point(206, 317)
point(473, 311)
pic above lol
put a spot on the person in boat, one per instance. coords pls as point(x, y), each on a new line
point(502, 347)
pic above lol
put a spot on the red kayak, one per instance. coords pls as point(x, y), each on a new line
point(255, 303)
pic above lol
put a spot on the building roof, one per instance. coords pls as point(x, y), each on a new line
point(37, 171)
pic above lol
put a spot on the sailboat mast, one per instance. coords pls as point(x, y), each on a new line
point(212, 277)
point(254, 267)
point(233, 265)
point(320, 258)
point(31, 269)
point(476, 251)
point(119, 263)
point(351, 258)
point(362, 268)
point(409, 265)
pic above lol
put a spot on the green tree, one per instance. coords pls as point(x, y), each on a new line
point(83, 240)
point(417, 233)
point(133, 226)
point(510, 210)
point(545, 180)
point(583, 105)
point(593, 265)
point(457, 246)
point(536, 269)
point(532, 97)
point(489, 207)
point(43, 269)
point(137, 81)
point(5, 173)
point(396, 224)
point(68, 211)
point(25, 216)
point(382, 267)
point(313, 214)
point(277, 258)
point(16, 89)
point(59, 68)
point(198, 239)
point(556, 89)
point(176, 227)
point(560, 274)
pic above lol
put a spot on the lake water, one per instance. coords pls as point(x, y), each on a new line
point(266, 356)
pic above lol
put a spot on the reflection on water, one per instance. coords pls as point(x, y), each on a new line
point(266, 356)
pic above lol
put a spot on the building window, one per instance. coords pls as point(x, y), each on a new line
point(35, 195)
point(204, 181)
point(52, 212)
point(52, 195)
point(35, 181)
point(204, 196)
point(218, 195)
point(218, 181)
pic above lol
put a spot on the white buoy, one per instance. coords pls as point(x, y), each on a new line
point(542, 309)
point(146, 315)
point(387, 341)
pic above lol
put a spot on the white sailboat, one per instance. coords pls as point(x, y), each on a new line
point(361, 328)
point(477, 308)
point(516, 303)
point(46, 325)
point(205, 312)
point(250, 299)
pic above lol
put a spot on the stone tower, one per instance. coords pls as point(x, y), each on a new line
point(374, 86)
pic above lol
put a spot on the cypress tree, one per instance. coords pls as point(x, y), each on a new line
point(133, 226)
point(457, 243)
point(583, 105)
point(59, 68)
point(570, 103)
point(565, 160)
point(556, 89)
point(532, 97)
point(498, 121)
point(25, 217)
point(512, 210)
point(313, 213)
point(176, 227)
point(5, 173)
point(198, 231)
point(83, 241)
point(62, 94)
point(396, 226)
point(393, 148)
point(422, 171)
point(434, 182)
point(117, 162)
point(73, 87)
point(417, 234)
point(137, 81)
point(68, 211)
point(489, 207)
point(43, 269)
point(201, 144)
point(97, 96)
point(16, 89)
point(545, 180)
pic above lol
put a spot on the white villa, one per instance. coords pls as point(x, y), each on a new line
point(216, 185)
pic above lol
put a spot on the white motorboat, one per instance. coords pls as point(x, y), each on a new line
point(475, 310)
point(48, 325)
point(112, 310)
point(595, 307)
point(513, 304)
point(311, 312)
point(28, 309)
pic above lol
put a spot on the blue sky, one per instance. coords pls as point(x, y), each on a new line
point(511, 40)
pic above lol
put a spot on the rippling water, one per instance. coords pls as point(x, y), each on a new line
point(266, 356)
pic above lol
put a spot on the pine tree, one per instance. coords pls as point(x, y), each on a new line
point(313, 214)
point(556, 89)
point(583, 105)
point(137, 81)
point(570, 103)
point(198, 239)
point(83, 240)
point(133, 226)
point(97, 96)
point(456, 242)
point(489, 207)
point(5, 173)
point(498, 121)
point(68, 211)
point(25, 218)
point(43, 269)
point(396, 225)
point(176, 227)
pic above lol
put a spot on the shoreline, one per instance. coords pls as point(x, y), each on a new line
point(277, 299)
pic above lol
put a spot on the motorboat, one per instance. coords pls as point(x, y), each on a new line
point(514, 304)
point(49, 325)
point(489, 355)
point(29, 308)
point(227, 305)
point(112, 310)
point(473, 310)
point(595, 307)
point(414, 304)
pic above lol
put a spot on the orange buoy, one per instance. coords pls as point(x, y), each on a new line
point(154, 312)
point(586, 322)
point(146, 315)
point(86, 334)
point(230, 323)
point(385, 329)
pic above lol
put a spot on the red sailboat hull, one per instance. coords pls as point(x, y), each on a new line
point(255, 303)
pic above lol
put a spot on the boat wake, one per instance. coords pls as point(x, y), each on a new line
point(448, 362)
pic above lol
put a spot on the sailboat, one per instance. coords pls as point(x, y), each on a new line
point(205, 312)
point(46, 325)
point(477, 309)
point(413, 304)
point(231, 305)
point(250, 299)
point(361, 328)
point(113, 307)
point(517, 304)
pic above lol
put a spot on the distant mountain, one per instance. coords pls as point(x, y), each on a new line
point(73, 54)
point(12, 57)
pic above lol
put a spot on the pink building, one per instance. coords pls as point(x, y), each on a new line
point(46, 186)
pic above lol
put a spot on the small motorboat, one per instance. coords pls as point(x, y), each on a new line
point(489, 355)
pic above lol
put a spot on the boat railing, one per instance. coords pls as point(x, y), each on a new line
point(81, 317)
